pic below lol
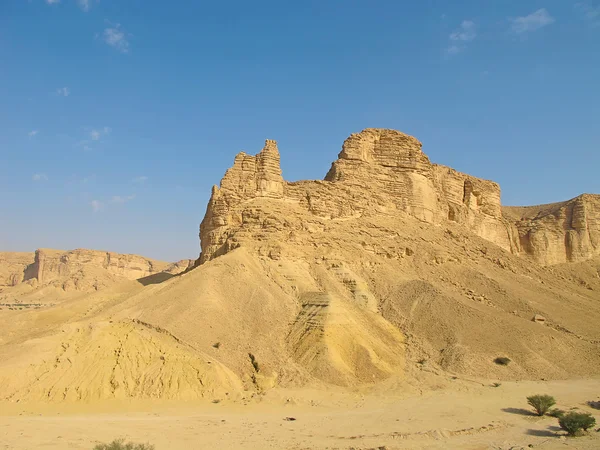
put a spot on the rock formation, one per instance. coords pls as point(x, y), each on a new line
point(386, 171)
point(559, 232)
point(391, 269)
point(14, 267)
point(79, 269)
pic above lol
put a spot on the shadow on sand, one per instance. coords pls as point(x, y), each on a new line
point(161, 277)
point(156, 278)
point(541, 433)
point(548, 432)
point(520, 411)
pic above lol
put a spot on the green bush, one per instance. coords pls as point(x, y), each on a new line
point(574, 422)
point(119, 444)
point(558, 413)
point(541, 403)
point(502, 361)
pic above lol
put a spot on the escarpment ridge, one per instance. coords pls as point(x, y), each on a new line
point(386, 171)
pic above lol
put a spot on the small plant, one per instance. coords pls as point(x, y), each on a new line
point(541, 403)
point(217, 345)
point(574, 422)
point(254, 362)
point(496, 384)
point(502, 361)
point(119, 444)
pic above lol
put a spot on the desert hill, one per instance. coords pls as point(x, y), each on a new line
point(390, 270)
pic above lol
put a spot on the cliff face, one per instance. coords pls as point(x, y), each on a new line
point(391, 165)
point(13, 267)
point(383, 171)
point(249, 178)
point(80, 269)
point(559, 232)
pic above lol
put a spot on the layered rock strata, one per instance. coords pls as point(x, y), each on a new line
point(80, 269)
point(382, 171)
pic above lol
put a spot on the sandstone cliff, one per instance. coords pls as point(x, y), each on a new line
point(79, 269)
point(559, 232)
point(383, 171)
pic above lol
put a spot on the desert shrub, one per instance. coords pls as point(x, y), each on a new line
point(502, 361)
point(120, 444)
point(574, 422)
point(217, 345)
point(541, 403)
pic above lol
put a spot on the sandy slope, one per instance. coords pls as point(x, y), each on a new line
point(465, 415)
point(317, 314)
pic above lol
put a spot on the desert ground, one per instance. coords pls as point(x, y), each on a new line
point(466, 415)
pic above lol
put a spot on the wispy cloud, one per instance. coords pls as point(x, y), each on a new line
point(64, 91)
point(116, 37)
point(459, 39)
point(96, 205)
point(532, 22)
point(140, 179)
point(39, 177)
point(96, 134)
point(85, 5)
point(590, 11)
point(465, 33)
point(52, 2)
point(120, 199)
point(32, 133)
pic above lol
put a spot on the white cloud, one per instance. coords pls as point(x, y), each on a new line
point(63, 91)
point(52, 2)
point(97, 134)
point(39, 177)
point(465, 33)
point(115, 37)
point(532, 22)
point(32, 133)
point(461, 36)
point(96, 205)
point(120, 199)
point(590, 11)
point(85, 5)
point(453, 50)
point(140, 179)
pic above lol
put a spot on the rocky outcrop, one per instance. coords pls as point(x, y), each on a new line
point(392, 165)
point(249, 178)
point(13, 267)
point(383, 171)
point(81, 269)
point(559, 232)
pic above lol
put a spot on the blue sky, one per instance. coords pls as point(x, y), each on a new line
point(117, 116)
